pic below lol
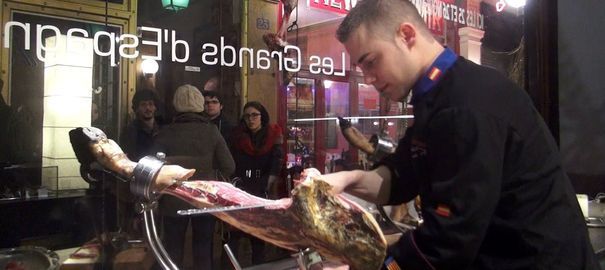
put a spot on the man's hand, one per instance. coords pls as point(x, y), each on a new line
point(339, 181)
point(310, 172)
point(373, 186)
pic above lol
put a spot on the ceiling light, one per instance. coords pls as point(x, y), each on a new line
point(175, 5)
point(149, 66)
point(516, 3)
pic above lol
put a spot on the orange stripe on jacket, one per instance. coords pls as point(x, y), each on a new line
point(443, 210)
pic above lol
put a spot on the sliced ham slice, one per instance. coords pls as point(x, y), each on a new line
point(339, 229)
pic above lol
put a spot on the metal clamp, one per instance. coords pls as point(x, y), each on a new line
point(308, 259)
point(144, 175)
point(383, 145)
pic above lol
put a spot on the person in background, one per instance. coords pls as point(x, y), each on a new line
point(136, 141)
point(256, 146)
point(137, 138)
point(212, 84)
point(214, 110)
point(191, 141)
point(493, 191)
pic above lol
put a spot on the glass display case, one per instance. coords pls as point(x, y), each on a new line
point(300, 134)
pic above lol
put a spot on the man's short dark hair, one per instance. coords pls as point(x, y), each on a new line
point(213, 94)
point(143, 95)
point(379, 17)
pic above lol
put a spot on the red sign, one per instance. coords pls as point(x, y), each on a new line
point(335, 6)
point(370, 104)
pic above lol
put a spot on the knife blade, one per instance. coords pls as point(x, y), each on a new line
point(207, 210)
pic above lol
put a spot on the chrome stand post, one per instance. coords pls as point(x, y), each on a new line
point(144, 175)
point(232, 258)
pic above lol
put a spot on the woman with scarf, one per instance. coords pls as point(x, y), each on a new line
point(256, 147)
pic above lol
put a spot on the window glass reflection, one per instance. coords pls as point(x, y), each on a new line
point(336, 147)
point(53, 88)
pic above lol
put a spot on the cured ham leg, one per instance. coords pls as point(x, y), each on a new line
point(336, 227)
point(91, 144)
point(355, 137)
point(313, 217)
point(289, 6)
point(110, 155)
point(277, 41)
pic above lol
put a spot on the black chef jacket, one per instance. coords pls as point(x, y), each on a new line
point(493, 193)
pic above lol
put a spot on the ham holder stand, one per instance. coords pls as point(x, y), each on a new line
point(141, 183)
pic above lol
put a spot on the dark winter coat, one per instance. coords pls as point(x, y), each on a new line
point(257, 156)
point(224, 126)
point(137, 139)
point(193, 142)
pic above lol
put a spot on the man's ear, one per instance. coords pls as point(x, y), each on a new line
point(407, 33)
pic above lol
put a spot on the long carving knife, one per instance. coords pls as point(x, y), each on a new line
point(207, 210)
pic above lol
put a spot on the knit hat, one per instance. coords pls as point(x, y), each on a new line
point(188, 98)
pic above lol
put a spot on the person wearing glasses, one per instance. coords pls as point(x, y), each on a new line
point(213, 106)
point(256, 146)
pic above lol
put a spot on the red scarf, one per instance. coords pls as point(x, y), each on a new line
point(243, 142)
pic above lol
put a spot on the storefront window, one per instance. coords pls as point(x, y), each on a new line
point(61, 69)
point(54, 90)
point(213, 45)
point(483, 34)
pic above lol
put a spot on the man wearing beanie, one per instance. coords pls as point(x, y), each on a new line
point(191, 141)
